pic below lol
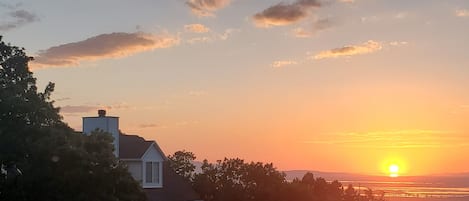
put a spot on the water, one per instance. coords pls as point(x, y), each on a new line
point(411, 189)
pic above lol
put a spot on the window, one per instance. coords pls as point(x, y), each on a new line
point(152, 172)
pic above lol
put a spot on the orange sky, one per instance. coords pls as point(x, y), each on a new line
point(349, 86)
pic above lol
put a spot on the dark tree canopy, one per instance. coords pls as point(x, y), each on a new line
point(236, 180)
point(41, 158)
point(181, 163)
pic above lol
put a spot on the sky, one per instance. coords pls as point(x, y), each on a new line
point(329, 85)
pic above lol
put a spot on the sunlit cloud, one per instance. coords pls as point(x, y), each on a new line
point(285, 14)
point(206, 8)
point(283, 63)
point(350, 50)
point(462, 13)
point(17, 18)
point(196, 28)
point(104, 46)
point(393, 139)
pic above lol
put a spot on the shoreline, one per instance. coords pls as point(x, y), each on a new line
point(465, 198)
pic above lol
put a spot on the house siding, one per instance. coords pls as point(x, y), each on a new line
point(135, 169)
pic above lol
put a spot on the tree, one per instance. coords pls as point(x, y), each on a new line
point(41, 157)
point(182, 163)
point(235, 180)
point(350, 194)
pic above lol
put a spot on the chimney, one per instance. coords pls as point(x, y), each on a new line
point(101, 113)
point(105, 123)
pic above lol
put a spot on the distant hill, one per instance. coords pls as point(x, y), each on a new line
point(447, 180)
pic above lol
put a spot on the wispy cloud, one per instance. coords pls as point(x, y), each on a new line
point(148, 125)
point(316, 26)
point(285, 14)
point(213, 36)
point(350, 50)
point(283, 63)
point(196, 28)
point(206, 8)
point(69, 109)
point(393, 139)
point(73, 109)
point(398, 43)
point(17, 18)
point(462, 13)
point(113, 45)
point(401, 15)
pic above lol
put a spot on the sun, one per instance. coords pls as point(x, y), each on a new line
point(393, 170)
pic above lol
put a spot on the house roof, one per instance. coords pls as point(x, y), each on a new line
point(134, 147)
point(176, 188)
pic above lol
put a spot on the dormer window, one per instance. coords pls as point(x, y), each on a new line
point(153, 172)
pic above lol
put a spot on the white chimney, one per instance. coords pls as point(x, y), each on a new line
point(105, 123)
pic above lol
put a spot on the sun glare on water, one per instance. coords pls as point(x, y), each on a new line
point(393, 170)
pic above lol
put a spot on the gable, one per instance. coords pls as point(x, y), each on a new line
point(153, 153)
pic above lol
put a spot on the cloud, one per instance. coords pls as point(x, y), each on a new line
point(214, 36)
point(73, 109)
point(69, 109)
point(398, 43)
point(351, 50)
point(148, 125)
point(401, 15)
point(199, 40)
point(462, 13)
point(317, 26)
point(196, 28)
point(282, 63)
point(63, 99)
point(301, 33)
point(18, 18)
point(285, 14)
point(206, 8)
point(113, 45)
point(347, 1)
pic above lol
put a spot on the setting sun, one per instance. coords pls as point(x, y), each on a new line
point(394, 170)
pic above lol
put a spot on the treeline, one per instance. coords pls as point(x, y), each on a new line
point(237, 180)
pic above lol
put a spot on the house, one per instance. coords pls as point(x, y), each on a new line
point(145, 161)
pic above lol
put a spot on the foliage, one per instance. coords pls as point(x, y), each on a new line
point(181, 163)
point(41, 157)
point(236, 180)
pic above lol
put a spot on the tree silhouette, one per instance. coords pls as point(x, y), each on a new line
point(181, 163)
point(236, 180)
point(42, 157)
